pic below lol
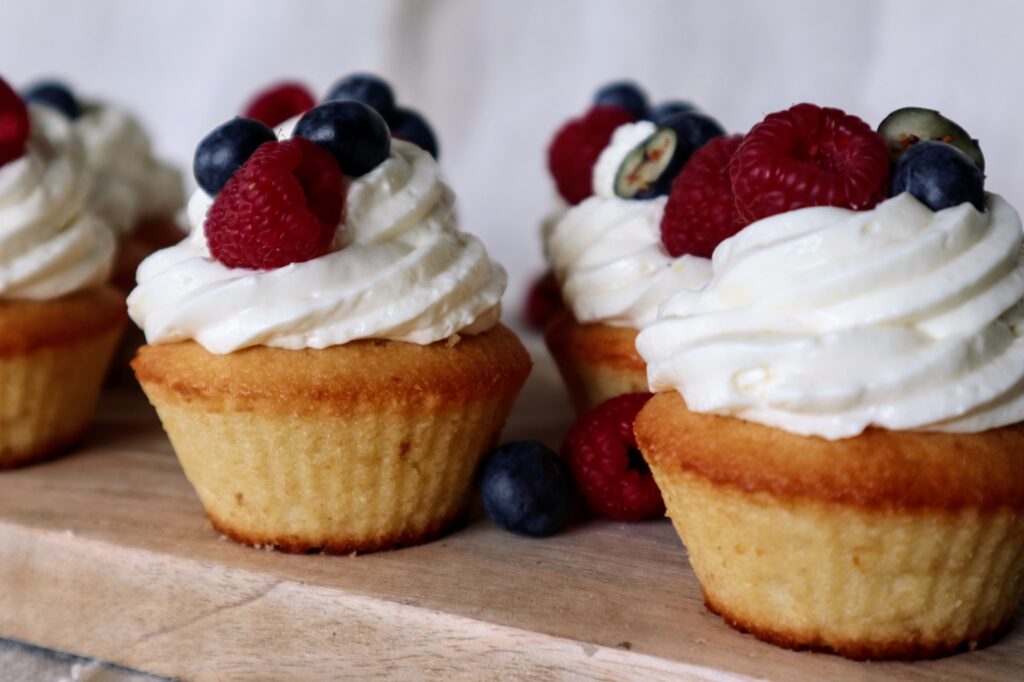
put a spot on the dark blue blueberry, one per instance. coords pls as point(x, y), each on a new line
point(224, 150)
point(55, 95)
point(526, 488)
point(940, 176)
point(410, 126)
point(352, 132)
point(694, 127)
point(670, 108)
point(366, 88)
point(692, 131)
point(625, 95)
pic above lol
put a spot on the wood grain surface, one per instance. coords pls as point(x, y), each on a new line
point(106, 553)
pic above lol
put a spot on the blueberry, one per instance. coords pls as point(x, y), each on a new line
point(372, 91)
point(623, 94)
point(55, 95)
point(907, 126)
point(694, 128)
point(352, 132)
point(939, 175)
point(668, 109)
point(526, 488)
point(410, 126)
point(650, 167)
point(224, 150)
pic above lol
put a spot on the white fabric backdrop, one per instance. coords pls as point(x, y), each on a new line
point(497, 76)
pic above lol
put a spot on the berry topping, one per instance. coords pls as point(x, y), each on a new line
point(352, 132)
point(670, 108)
point(809, 156)
point(910, 125)
point(53, 94)
point(939, 175)
point(577, 144)
point(543, 301)
point(14, 124)
point(526, 488)
point(372, 91)
point(224, 150)
point(602, 452)
point(701, 210)
point(693, 128)
point(648, 169)
point(624, 95)
point(410, 126)
point(283, 206)
point(278, 103)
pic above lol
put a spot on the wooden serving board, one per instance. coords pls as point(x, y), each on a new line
point(106, 553)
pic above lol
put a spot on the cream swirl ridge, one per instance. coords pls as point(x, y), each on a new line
point(131, 183)
point(50, 244)
point(825, 321)
point(399, 269)
point(606, 252)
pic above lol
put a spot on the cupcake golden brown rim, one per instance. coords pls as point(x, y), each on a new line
point(29, 325)
point(597, 361)
point(337, 383)
point(595, 342)
point(877, 469)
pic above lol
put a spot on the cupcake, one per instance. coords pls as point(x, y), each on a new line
point(837, 431)
point(615, 168)
point(325, 350)
point(58, 322)
point(136, 193)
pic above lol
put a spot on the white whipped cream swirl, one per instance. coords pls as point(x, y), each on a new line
point(131, 185)
point(606, 251)
point(825, 321)
point(50, 243)
point(399, 269)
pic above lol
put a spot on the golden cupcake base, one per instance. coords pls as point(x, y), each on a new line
point(890, 545)
point(53, 355)
point(597, 361)
point(366, 446)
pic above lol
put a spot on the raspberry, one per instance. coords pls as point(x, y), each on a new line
point(809, 156)
point(577, 144)
point(701, 210)
point(602, 452)
point(278, 103)
point(282, 206)
point(14, 124)
point(543, 301)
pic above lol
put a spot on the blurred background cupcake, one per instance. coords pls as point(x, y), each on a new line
point(136, 193)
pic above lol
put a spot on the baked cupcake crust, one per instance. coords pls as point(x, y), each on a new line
point(355, 448)
point(596, 361)
point(53, 355)
point(877, 469)
point(361, 375)
point(890, 545)
point(30, 326)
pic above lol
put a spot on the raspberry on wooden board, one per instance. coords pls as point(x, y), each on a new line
point(602, 453)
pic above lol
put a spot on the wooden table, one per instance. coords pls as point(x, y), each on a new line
point(106, 553)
